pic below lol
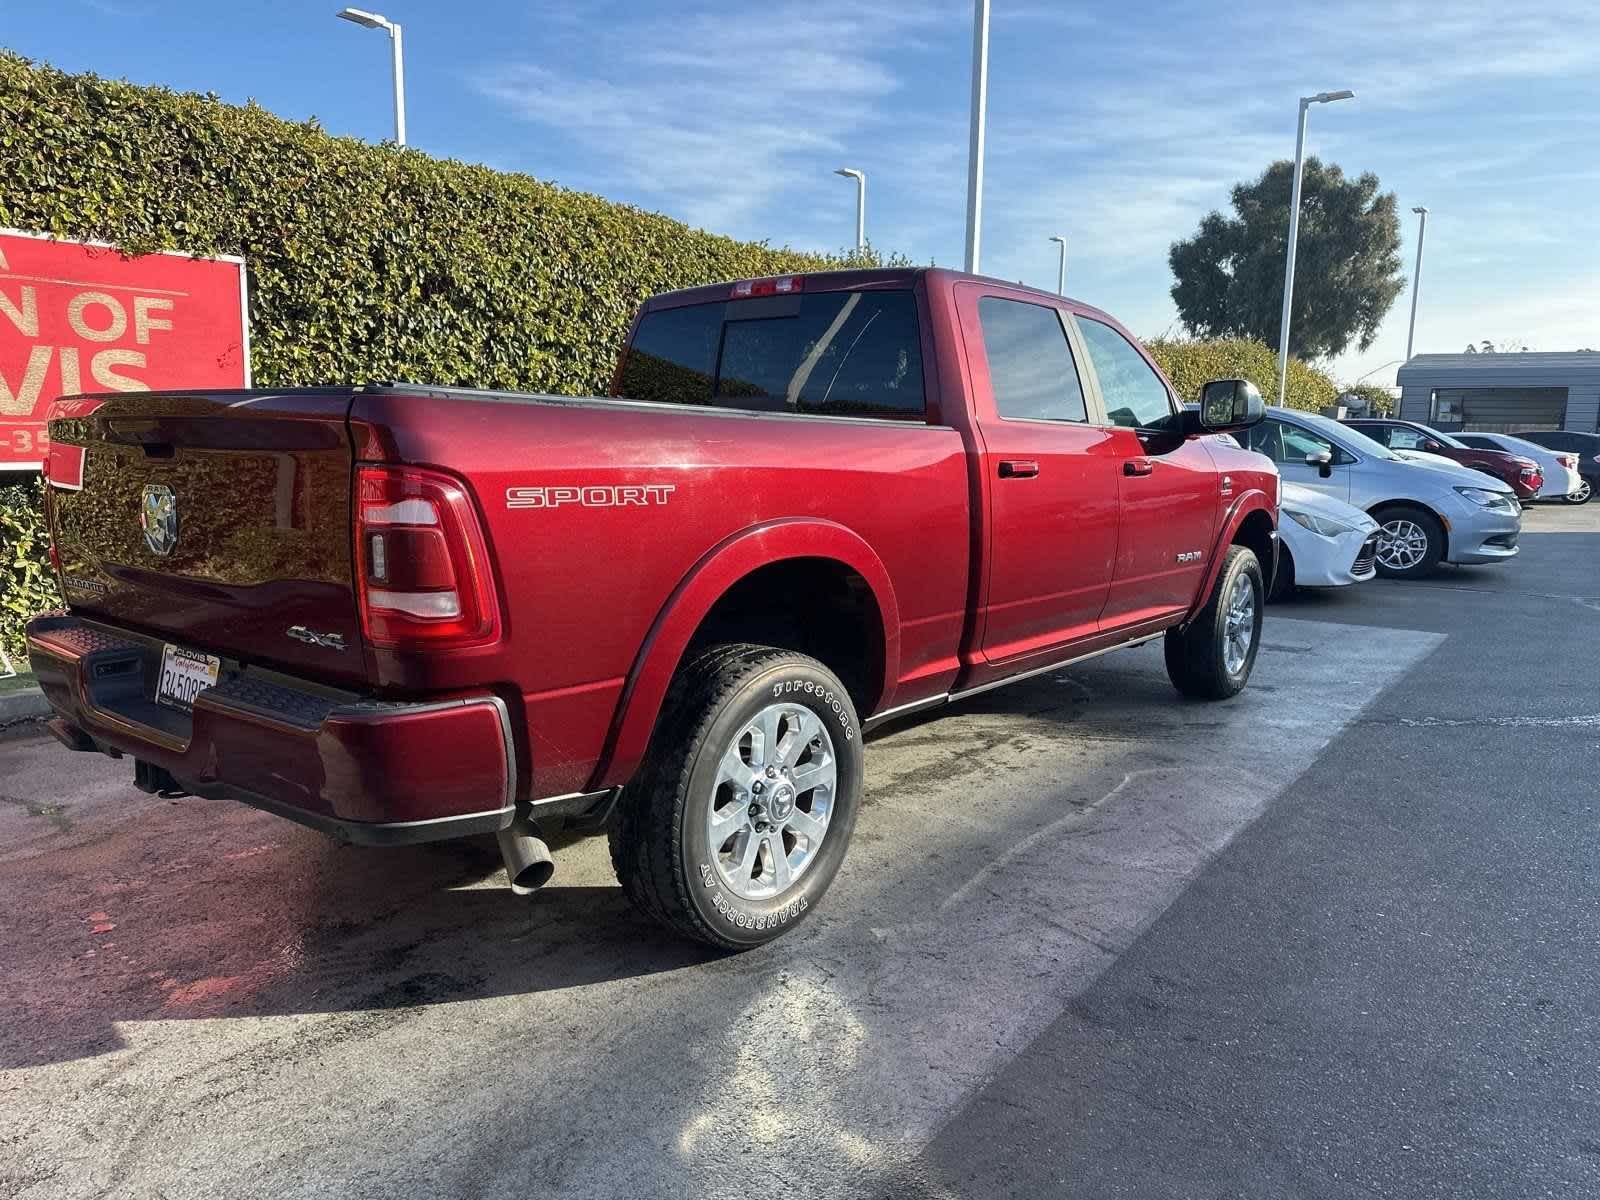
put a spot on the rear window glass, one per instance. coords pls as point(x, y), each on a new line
point(841, 353)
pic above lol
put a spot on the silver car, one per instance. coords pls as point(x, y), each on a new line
point(1427, 512)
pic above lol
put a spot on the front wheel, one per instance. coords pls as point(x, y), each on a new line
point(1584, 492)
point(1211, 658)
point(1410, 542)
point(741, 815)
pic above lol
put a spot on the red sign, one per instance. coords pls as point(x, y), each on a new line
point(80, 317)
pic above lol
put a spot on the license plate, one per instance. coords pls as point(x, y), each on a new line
point(184, 673)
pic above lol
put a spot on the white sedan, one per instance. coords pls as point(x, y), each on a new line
point(1322, 542)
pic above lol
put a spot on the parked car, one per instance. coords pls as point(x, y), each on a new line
point(1521, 473)
point(1322, 542)
point(1585, 445)
point(403, 613)
point(1561, 476)
point(1428, 513)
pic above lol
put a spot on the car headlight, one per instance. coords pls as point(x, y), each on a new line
point(1317, 524)
point(1486, 498)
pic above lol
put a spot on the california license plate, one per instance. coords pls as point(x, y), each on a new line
point(184, 673)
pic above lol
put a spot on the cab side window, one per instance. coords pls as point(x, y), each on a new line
point(1134, 394)
point(1031, 370)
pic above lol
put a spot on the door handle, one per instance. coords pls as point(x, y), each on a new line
point(1018, 468)
point(1138, 466)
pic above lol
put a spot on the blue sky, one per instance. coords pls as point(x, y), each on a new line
point(1116, 125)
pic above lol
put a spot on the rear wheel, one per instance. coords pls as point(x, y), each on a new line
point(743, 810)
point(1583, 494)
point(1212, 657)
point(1411, 542)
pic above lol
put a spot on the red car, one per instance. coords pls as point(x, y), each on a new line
point(402, 613)
point(1522, 474)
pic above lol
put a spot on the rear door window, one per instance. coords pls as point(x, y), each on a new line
point(834, 353)
point(1031, 371)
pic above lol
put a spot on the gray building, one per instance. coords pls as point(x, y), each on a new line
point(1502, 393)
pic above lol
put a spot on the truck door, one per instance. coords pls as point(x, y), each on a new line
point(1048, 477)
point(1171, 491)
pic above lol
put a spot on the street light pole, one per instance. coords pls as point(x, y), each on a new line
point(980, 102)
point(1416, 277)
point(1294, 231)
point(861, 204)
point(371, 20)
point(1061, 271)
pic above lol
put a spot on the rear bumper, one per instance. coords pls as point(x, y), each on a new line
point(373, 772)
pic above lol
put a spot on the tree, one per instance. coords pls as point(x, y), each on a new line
point(1229, 275)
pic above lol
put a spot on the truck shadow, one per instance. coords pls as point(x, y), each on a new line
point(307, 928)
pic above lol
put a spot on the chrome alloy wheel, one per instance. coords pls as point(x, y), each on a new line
point(1581, 496)
point(1404, 544)
point(772, 801)
point(1241, 624)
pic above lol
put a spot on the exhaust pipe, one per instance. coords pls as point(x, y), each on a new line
point(528, 862)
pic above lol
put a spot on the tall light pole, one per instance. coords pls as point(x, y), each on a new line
point(1294, 231)
point(861, 204)
point(1416, 277)
point(376, 21)
point(980, 103)
point(1061, 271)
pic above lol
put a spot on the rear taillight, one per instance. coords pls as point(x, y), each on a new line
point(1569, 461)
point(783, 285)
point(422, 565)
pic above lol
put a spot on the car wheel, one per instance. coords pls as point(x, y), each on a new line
point(743, 810)
point(1584, 492)
point(1283, 580)
point(1411, 544)
point(1212, 657)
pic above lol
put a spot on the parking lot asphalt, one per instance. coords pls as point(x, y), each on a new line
point(1335, 937)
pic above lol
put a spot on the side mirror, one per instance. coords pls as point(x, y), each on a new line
point(1432, 447)
point(1230, 404)
point(1322, 460)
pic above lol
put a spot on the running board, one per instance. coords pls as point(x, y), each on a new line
point(916, 706)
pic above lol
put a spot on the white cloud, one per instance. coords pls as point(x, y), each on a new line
point(711, 114)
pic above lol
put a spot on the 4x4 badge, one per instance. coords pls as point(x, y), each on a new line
point(158, 517)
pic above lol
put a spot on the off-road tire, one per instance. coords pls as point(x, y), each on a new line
point(1429, 525)
point(1196, 653)
point(658, 842)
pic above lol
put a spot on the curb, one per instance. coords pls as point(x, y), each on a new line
point(25, 705)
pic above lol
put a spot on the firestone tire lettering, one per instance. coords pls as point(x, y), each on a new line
point(824, 694)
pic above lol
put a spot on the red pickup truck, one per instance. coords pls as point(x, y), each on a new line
point(401, 613)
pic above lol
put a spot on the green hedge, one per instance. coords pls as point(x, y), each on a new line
point(366, 262)
point(1190, 364)
point(28, 583)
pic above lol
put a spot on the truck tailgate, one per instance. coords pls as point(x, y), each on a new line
point(222, 519)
